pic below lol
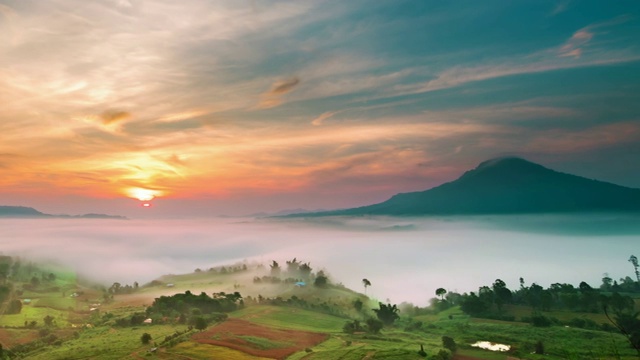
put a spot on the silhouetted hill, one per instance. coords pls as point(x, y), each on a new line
point(507, 186)
point(28, 212)
point(20, 211)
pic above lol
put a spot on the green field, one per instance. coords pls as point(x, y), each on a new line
point(80, 334)
point(291, 318)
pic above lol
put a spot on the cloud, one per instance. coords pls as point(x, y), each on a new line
point(114, 116)
point(573, 46)
point(273, 97)
point(320, 119)
point(561, 6)
point(571, 141)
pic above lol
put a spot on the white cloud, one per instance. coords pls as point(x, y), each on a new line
point(320, 119)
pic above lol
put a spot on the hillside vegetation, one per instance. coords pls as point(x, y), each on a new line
point(269, 311)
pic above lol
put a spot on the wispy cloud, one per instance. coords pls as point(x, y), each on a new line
point(573, 46)
point(273, 97)
point(320, 119)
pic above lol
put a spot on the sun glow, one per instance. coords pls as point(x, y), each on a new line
point(143, 194)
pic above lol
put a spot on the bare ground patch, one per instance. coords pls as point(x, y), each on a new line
point(259, 340)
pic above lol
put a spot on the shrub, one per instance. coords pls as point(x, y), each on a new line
point(442, 355)
point(449, 343)
point(352, 326)
point(539, 320)
point(374, 326)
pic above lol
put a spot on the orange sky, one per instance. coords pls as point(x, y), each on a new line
point(238, 108)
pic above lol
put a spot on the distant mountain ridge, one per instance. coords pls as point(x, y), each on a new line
point(506, 186)
point(28, 212)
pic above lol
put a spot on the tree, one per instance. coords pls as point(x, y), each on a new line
point(607, 282)
point(627, 322)
point(15, 307)
point(473, 305)
point(634, 261)
point(449, 343)
point(357, 304)
point(374, 325)
point(48, 320)
point(421, 352)
point(502, 294)
point(145, 338)
point(200, 323)
point(440, 292)
point(321, 279)
point(305, 270)
point(293, 267)
point(366, 284)
point(275, 268)
point(388, 313)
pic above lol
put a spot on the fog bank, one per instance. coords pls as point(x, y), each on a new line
point(405, 259)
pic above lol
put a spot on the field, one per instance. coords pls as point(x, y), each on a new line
point(287, 323)
point(259, 340)
point(290, 318)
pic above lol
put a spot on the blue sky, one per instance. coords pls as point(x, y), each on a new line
point(246, 106)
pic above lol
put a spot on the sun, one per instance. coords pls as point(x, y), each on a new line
point(143, 194)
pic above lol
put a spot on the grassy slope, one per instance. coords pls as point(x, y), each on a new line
point(291, 318)
point(122, 343)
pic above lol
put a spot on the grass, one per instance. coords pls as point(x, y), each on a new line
point(57, 302)
point(204, 351)
point(290, 318)
point(265, 344)
point(560, 342)
point(520, 311)
point(30, 313)
point(105, 343)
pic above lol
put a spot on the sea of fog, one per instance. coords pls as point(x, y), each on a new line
point(405, 259)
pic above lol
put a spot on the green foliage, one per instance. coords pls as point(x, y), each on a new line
point(351, 327)
point(442, 355)
point(473, 305)
point(14, 307)
point(358, 304)
point(145, 338)
point(539, 348)
point(48, 320)
point(539, 320)
point(374, 326)
point(200, 323)
point(388, 313)
point(321, 279)
point(449, 343)
point(421, 352)
point(187, 302)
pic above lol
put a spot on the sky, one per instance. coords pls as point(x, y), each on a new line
point(238, 107)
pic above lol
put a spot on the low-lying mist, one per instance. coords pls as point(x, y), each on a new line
point(405, 259)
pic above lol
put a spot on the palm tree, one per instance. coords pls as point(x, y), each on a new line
point(366, 283)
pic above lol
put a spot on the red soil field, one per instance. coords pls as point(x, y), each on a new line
point(229, 334)
point(8, 339)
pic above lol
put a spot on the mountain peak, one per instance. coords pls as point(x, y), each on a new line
point(505, 161)
point(508, 185)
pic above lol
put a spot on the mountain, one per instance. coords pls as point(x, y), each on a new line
point(506, 186)
point(20, 211)
point(28, 212)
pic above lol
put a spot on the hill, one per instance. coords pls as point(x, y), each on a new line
point(506, 186)
point(28, 212)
